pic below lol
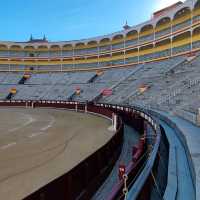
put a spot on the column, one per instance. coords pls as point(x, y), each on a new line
point(138, 48)
point(198, 117)
point(124, 51)
point(171, 52)
point(114, 122)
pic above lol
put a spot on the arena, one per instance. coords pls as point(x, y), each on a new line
point(104, 118)
point(44, 144)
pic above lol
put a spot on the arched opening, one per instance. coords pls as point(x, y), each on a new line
point(92, 44)
point(67, 50)
point(196, 32)
point(181, 42)
point(131, 56)
point(29, 48)
point(80, 49)
point(182, 19)
point(118, 58)
point(146, 52)
point(117, 38)
point(80, 45)
point(131, 38)
point(163, 48)
point(164, 44)
point(163, 27)
point(105, 45)
point(3, 47)
point(92, 47)
point(118, 42)
point(146, 30)
point(54, 51)
point(181, 39)
point(118, 55)
point(43, 48)
point(15, 48)
point(4, 50)
point(29, 51)
point(67, 47)
point(196, 38)
point(131, 35)
point(104, 41)
point(146, 33)
point(42, 51)
point(105, 58)
point(146, 49)
point(54, 48)
point(16, 51)
point(196, 12)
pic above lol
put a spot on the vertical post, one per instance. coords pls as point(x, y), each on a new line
point(61, 53)
point(171, 52)
point(98, 49)
point(154, 39)
point(192, 21)
point(9, 55)
point(114, 121)
point(73, 54)
point(111, 54)
point(138, 48)
point(76, 107)
point(86, 108)
point(32, 104)
point(49, 54)
point(124, 50)
point(61, 65)
point(198, 118)
point(191, 28)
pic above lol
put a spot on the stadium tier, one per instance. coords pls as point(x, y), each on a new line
point(173, 32)
point(169, 84)
point(145, 83)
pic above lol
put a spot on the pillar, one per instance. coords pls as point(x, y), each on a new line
point(198, 117)
point(114, 122)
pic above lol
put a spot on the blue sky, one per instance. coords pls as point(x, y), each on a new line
point(63, 20)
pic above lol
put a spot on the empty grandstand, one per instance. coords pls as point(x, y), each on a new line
point(144, 79)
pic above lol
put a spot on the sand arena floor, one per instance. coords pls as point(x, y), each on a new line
point(39, 145)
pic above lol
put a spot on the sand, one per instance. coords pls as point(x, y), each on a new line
point(39, 145)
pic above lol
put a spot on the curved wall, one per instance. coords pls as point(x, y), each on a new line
point(173, 33)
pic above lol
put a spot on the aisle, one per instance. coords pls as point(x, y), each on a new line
point(131, 137)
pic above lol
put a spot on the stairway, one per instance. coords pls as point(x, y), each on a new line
point(12, 92)
point(24, 79)
point(9, 97)
point(93, 79)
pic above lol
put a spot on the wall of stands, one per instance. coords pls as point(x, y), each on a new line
point(172, 34)
point(97, 167)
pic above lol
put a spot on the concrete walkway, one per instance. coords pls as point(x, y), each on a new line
point(185, 189)
point(131, 137)
point(192, 138)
